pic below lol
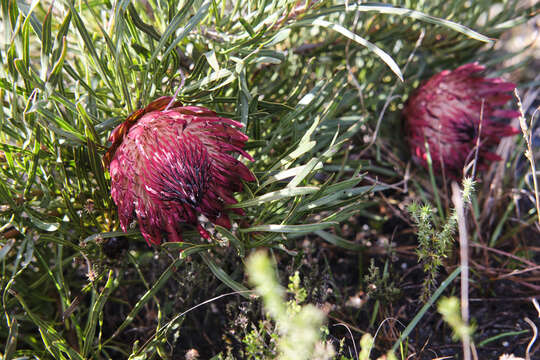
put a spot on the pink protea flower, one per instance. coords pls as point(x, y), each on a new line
point(170, 164)
point(446, 112)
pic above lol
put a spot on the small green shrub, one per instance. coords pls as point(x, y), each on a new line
point(434, 243)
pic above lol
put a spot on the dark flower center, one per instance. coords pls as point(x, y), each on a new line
point(466, 131)
point(186, 175)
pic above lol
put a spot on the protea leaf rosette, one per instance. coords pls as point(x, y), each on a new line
point(446, 112)
point(173, 165)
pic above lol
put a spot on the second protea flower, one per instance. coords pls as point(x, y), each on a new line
point(172, 165)
point(446, 112)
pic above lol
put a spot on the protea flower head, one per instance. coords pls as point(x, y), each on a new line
point(172, 166)
point(446, 112)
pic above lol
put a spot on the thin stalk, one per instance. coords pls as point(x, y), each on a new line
point(527, 134)
point(434, 182)
point(464, 258)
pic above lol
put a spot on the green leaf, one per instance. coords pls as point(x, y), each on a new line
point(57, 67)
point(212, 60)
point(186, 249)
point(6, 195)
point(11, 341)
point(342, 195)
point(294, 229)
point(224, 277)
point(247, 26)
point(421, 16)
point(34, 161)
point(360, 40)
point(425, 308)
point(141, 25)
point(339, 241)
point(42, 224)
point(95, 310)
point(289, 173)
point(199, 15)
point(173, 26)
point(57, 124)
point(207, 80)
point(108, 235)
point(147, 296)
point(89, 44)
point(97, 169)
point(28, 11)
point(46, 42)
point(279, 37)
point(276, 195)
point(5, 248)
point(53, 342)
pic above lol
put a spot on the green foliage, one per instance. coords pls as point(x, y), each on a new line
point(307, 80)
point(261, 342)
point(380, 287)
point(434, 244)
point(366, 345)
point(450, 310)
point(298, 326)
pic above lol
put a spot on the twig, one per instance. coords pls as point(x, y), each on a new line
point(500, 252)
point(457, 199)
point(182, 82)
point(358, 330)
point(395, 186)
point(512, 298)
point(477, 146)
point(535, 335)
point(536, 306)
point(517, 272)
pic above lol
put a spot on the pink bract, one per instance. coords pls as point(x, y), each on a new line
point(446, 113)
point(170, 166)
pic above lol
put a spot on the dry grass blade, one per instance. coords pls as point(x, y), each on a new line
point(527, 131)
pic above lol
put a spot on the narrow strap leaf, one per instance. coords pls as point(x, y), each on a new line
point(224, 277)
